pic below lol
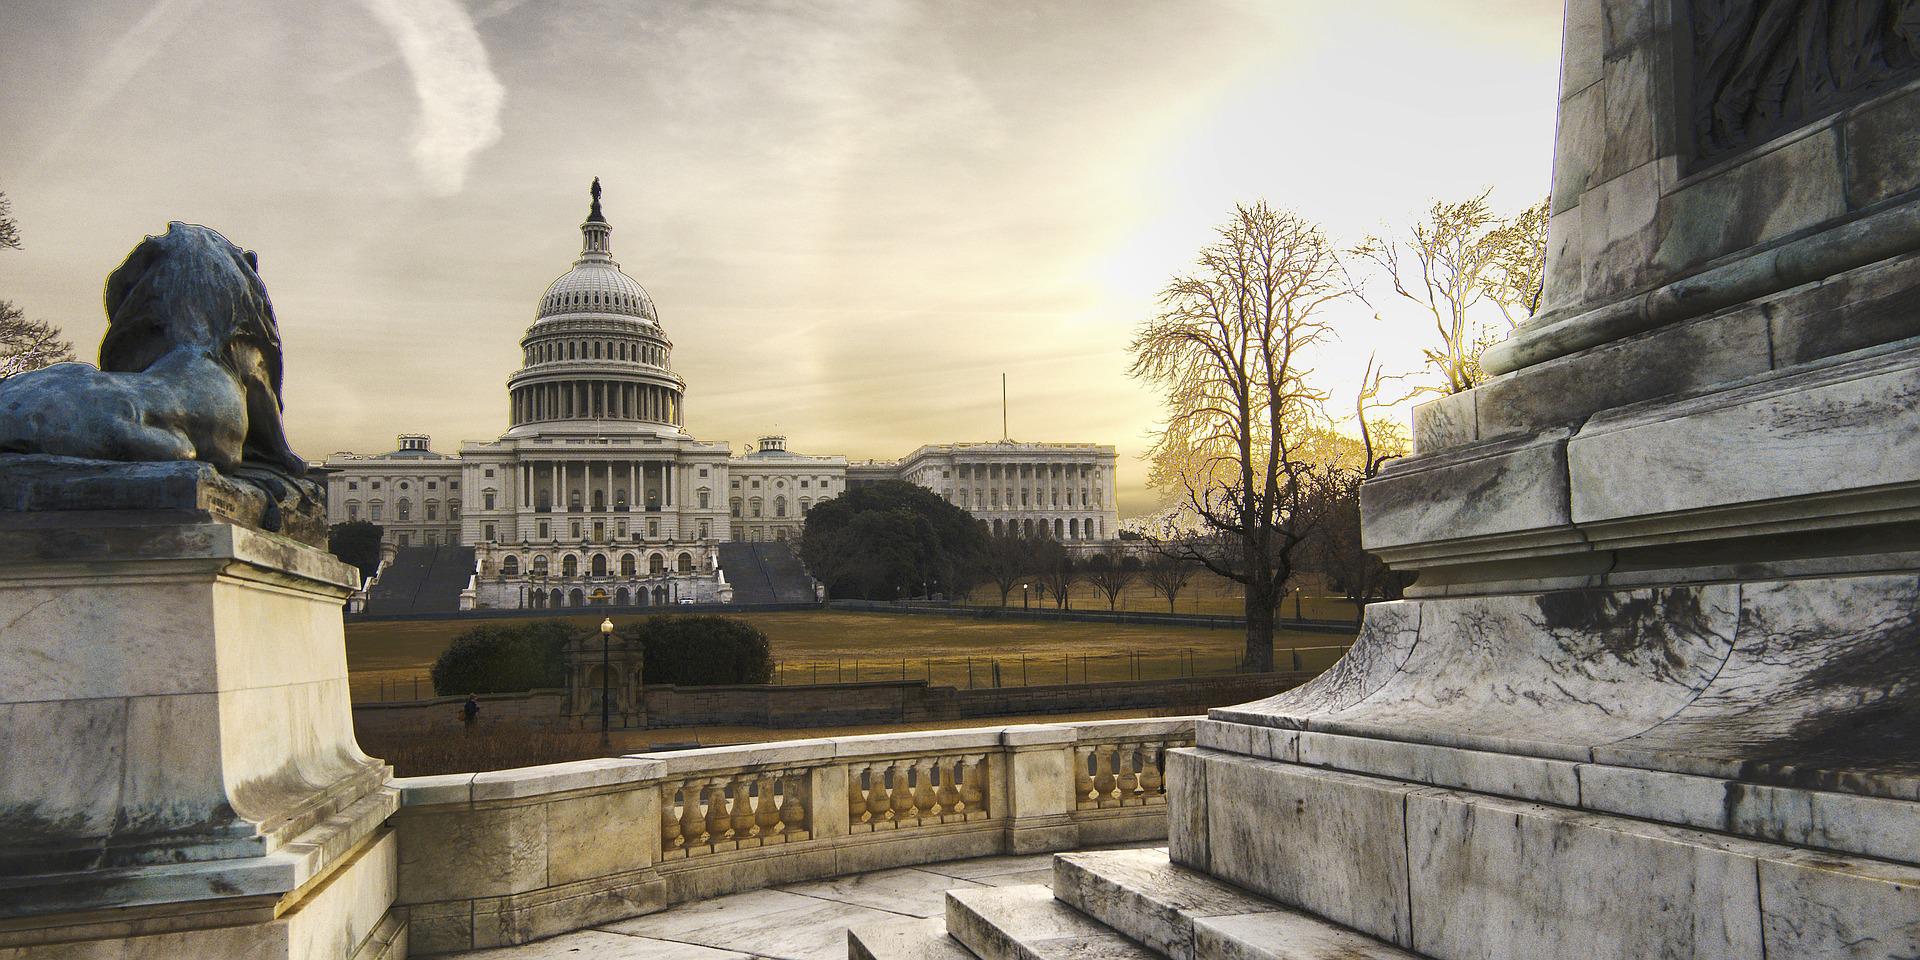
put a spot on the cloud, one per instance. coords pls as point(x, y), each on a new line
point(125, 57)
point(460, 98)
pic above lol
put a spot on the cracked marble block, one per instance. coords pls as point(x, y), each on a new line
point(1663, 651)
point(178, 773)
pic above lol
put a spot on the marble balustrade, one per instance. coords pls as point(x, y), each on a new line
point(509, 856)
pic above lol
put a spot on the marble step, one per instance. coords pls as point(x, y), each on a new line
point(1027, 923)
point(1186, 914)
point(918, 939)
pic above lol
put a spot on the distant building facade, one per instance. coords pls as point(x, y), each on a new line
point(771, 490)
point(597, 495)
point(411, 492)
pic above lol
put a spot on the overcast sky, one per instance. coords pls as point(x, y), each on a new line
point(854, 216)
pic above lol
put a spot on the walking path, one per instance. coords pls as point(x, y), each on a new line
point(800, 921)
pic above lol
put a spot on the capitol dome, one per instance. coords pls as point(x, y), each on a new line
point(596, 287)
point(595, 358)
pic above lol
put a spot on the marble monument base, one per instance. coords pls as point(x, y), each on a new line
point(1703, 770)
point(180, 774)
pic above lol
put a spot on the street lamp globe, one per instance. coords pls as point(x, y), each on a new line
point(606, 627)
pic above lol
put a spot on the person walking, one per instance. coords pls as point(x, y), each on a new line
point(470, 711)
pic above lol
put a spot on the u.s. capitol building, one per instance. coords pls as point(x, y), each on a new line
point(596, 494)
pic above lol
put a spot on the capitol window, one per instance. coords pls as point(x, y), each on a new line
point(779, 506)
point(705, 530)
point(373, 511)
point(353, 485)
point(733, 507)
point(403, 485)
point(705, 499)
point(487, 497)
point(753, 507)
point(433, 485)
point(545, 531)
point(403, 511)
point(433, 510)
point(376, 485)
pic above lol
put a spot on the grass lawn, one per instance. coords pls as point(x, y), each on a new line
point(387, 659)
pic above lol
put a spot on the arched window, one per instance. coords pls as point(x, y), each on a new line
point(599, 564)
point(779, 506)
point(553, 599)
point(621, 597)
point(509, 566)
point(685, 563)
point(629, 566)
point(1073, 529)
point(403, 511)
point(576, 599)
point(433, 509)
point(539, 564)
point(657, 564)
point(569, 566)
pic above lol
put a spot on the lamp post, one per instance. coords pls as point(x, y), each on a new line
point(1023, 596)
point(606, 677)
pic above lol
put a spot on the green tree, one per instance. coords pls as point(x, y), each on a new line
point(356, 542)
point(890, 540)
point(505, 658)
point(703, 650)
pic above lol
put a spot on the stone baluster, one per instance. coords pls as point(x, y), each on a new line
point(923, 796)
point(973, 784)
point(670, 839)
point(877, 802)
point(1103, 779)
point(901, 801)
point(794, 823)
point(1129, 773)
point(1083, 761)
point(741, 809)
point(693, 825)
point(717, 819)
point(948, 796)
point(857, 774)
point(766, 814)
point(1152, 782)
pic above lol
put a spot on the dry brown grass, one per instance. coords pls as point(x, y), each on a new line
point(829, 645)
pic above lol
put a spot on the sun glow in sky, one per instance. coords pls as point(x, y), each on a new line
point(853, 216)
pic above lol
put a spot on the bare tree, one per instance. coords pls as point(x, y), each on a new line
point(9, 230)
point(1229, 349)
point(1056, 571)
point(28, 344)
point(24, 344)
point(1168, 574)
point(1111, 572)
point(1461, 265)
point(1008, 563)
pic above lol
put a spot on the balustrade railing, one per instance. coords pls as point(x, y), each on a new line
point(902, 792)
point(1124, 773)
point(637, 832)
point(709, 814)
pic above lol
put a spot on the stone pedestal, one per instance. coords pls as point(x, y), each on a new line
point(179, 774)
point(1654, 691)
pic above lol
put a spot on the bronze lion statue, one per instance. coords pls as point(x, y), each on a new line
point(189, 370)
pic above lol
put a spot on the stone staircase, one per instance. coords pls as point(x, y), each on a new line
point(765, 572)
point(421, 580)
point(1116, 905)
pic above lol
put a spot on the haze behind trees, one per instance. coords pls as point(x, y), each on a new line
point(1265, 485)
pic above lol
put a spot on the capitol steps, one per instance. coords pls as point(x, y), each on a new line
point(1116, 905)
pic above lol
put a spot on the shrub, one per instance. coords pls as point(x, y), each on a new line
point(356, 542)
point(704, 650)
point(504, 658)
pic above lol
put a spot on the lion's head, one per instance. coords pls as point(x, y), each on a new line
point(191, 286)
